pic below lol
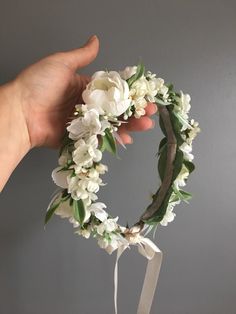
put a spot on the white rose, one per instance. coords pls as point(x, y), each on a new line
point(108, 93)
point(128, 72)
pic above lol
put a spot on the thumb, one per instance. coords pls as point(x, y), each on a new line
point(80, 57)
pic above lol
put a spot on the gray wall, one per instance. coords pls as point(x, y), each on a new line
point(191, 43)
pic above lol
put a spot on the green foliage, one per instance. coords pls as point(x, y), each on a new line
point(108, 142)
point(79, 211)
point(182, 195)
point(178, 163)
point(55, 204)
point(66, 143)
point(158, 215)
point(161, 102)
point(189, 165)
point(162, 145)
point(140, 71)
point(51, 211)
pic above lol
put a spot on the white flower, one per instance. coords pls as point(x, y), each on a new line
point(108, 93)
point(65, 156)
point(128, 72)
point(182, 176)
point(97, 210)
point(169, 215)
point(60, 177)
point(186, 149)
point(101, 168)
point(155, 85)
point(79, 189)
point(183, 105)
point(107, 225)
point(139, 88)
point(85, 126)
point(140, 105)
point(74, 222)
point(192, 133)
point(112, 244)
point(84, 232)
point(64, 210)
point(86, 152)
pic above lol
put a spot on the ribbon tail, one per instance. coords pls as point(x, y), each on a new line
point(119, 253)
point(149, 284)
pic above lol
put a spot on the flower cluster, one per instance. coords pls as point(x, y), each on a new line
point(109, 99)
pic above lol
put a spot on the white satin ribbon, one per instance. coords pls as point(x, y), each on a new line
point(148, 249)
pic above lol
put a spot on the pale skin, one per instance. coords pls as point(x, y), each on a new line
point(37, 104)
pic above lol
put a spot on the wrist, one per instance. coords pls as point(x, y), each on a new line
point(14, 137)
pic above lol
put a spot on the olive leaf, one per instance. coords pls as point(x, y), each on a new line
point(158, 215)
point(108, 142)
point(189, 165)
point(55, 204)
point(79, 211)
point(51, 211)
point(182, 195)
point(140, 71)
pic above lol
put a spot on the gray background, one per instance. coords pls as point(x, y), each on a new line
point(191, 43)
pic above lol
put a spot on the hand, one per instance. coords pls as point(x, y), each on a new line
point(36, 105)
point(51, 88)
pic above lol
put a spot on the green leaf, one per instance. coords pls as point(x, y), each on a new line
point(66, 142)
point(108, 142)
point(158, 216)
point(162, 144)
point(170, 87)
point(186, 196)
point(189, 165)
point(182, 195)
point(178, 163)
point(161, 102)
point(79, 211)
point(51, 211)
point(140, 71)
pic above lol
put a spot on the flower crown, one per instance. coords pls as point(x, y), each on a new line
point(110, 99)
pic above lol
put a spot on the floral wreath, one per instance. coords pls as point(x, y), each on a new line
point(110, 98)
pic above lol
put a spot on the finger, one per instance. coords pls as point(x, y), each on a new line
point(83, 56)
point(150, 109)
point(126, 138)
point(142, 124)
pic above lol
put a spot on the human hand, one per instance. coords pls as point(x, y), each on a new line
point(51, 88)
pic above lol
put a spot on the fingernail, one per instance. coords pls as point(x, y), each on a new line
point(91, 38)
